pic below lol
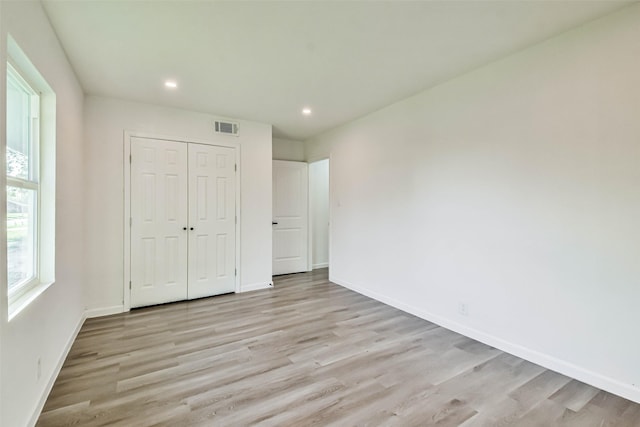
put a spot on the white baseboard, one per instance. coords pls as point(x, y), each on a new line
point(320, 265)
point(104, 311)
point(595, 379)
point(255, 287)
point(56, 372)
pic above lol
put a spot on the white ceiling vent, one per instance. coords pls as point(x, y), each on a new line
point(227, 128)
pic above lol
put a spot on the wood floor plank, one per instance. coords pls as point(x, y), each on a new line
point(574, 395)
point(306, 352)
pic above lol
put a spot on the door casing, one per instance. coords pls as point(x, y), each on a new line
point(126, 300)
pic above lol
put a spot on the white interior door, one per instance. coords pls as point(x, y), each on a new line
point(158, 221)
point(290, 217)
point(183, 221)
point(212, 220)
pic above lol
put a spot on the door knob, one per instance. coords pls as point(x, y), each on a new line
point(274, 223)
point(184, 228)
point(191, 228)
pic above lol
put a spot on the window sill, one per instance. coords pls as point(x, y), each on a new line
point(24, 300)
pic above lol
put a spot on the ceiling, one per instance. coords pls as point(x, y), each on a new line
point(266, 60)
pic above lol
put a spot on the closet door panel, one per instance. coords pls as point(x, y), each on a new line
point(212, 217)
point(158, 218)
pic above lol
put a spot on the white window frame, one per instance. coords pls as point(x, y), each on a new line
point(45, 181)
point(24, 287)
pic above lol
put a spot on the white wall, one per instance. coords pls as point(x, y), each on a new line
point(514, 189)
point(319, 212)
point(106, 120)
point(285, 149)
point(46, 327)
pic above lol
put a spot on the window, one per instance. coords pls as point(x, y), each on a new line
point(23, 188)
point(30, 181)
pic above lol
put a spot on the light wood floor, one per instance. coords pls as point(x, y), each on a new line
point(307, 352)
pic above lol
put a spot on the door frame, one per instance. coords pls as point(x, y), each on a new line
point(128, 135)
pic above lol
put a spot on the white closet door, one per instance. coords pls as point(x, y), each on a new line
point(212, 215)
point(290, 217)
point(158, 219)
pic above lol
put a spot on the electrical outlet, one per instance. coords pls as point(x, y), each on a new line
point(39, 371)
point(463, 309)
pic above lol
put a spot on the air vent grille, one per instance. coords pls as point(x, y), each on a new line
point(227, 128)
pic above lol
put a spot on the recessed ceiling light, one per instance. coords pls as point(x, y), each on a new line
point(306, 111)
point(171, 84)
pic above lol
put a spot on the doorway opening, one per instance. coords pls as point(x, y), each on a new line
point(319, 213)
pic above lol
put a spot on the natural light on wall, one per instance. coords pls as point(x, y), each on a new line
point(30, 181)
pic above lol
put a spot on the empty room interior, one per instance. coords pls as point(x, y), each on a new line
point(290, 213)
